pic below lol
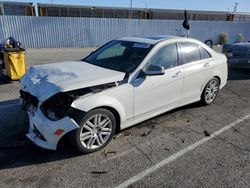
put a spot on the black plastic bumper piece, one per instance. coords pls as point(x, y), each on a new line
point(76, 114)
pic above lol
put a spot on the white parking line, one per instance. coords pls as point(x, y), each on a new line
point(179, 154)
point(9, 105)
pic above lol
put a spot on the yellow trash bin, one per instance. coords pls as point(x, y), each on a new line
point(14, 60)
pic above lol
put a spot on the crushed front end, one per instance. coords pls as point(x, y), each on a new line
point(51, 119)
point(48, 126)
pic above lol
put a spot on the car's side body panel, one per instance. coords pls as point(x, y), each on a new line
point(196, 74)
point(154, 92)
point(148, 115)
point(119, 98)
point(220, 69)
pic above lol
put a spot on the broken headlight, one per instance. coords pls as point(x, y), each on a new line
point(57, 106)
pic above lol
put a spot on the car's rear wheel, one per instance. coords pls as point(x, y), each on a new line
point(95, 131)
point(210, 91)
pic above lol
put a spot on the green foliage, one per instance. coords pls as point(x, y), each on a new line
point(223, 38)
point(239, 38)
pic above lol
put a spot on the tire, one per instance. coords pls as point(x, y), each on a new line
point(95, 131)
point(210, 91)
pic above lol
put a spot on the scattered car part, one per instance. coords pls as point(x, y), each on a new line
point(206, 133)
point(146, 133)
point(99, 172)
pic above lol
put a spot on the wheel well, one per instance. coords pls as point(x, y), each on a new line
point(218, 78)
point(118, 127)
point(208, 81)
point(116, 114)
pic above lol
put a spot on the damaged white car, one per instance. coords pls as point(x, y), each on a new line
point(124, 82)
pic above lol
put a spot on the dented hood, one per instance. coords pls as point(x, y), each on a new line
point(44, 81)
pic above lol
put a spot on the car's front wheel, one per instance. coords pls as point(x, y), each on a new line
point(95, 131)
point(210, 91)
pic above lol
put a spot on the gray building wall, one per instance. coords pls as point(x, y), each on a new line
point(44, 32)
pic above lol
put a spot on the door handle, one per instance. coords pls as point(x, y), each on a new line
point(177, 74)
point(207, 64)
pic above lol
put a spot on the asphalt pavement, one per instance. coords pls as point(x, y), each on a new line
point(192, 146)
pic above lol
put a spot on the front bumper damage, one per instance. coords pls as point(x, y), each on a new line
point(46, 133)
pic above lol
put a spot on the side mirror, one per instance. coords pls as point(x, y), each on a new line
point(152, 70)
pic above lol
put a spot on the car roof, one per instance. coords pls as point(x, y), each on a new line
point(148, 39)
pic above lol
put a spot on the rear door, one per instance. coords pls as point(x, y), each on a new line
point(197, 67)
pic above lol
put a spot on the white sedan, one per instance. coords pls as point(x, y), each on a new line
point(124, 82)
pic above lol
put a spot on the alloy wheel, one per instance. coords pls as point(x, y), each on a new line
point(211, 91)
point(96, 131)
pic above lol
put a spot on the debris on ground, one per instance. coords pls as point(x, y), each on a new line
point(154, 123)
point(106, 153)
point(171, 134)
point(219, 164)
point(99, 172)
point(146, 133)
point(235, 130)
point(206, 133)
point(166, 149)
point(183, 140)
point(117, 136)
point(127, 134)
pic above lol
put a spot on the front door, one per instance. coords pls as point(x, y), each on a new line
point(153, 93)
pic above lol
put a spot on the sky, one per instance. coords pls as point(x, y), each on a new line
point(212, 5)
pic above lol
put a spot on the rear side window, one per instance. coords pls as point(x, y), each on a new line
point(204, 53)
point(190, 52)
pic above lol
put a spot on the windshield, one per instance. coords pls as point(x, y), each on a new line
point(123, 56)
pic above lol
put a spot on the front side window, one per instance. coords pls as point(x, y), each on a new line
point(166, 57)
point(190, 52)
point(123, 56)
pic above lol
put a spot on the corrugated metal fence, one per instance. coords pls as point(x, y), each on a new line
point(42, 32)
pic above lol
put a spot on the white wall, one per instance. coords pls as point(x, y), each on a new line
point(41, 32)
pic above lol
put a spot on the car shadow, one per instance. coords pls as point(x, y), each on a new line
point(15, 149)
point(25, 153)
point(4, 79)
